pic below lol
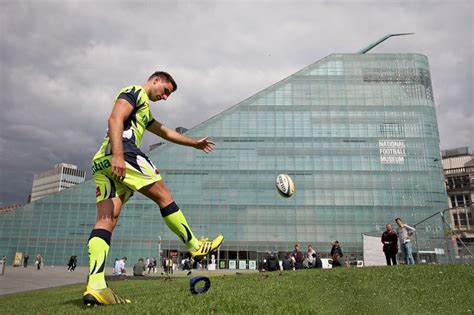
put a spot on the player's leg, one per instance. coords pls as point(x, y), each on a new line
point(108, 211)
point(97, 292)
point(110, 196)
point(143, 176)
point(172, 215)
point(175, 220)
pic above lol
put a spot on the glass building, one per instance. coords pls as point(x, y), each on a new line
point(356, 132)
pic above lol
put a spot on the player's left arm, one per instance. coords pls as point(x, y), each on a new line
point(169, 134)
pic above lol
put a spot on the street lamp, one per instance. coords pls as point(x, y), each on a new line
point(159, 250)
point(275, 237)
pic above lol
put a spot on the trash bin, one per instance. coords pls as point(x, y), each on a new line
point(2, 267)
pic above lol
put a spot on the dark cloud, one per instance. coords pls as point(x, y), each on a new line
point(62, 62)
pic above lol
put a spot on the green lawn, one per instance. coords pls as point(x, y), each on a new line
point(428, 289)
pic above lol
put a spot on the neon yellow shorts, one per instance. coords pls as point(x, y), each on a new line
point(140, 172)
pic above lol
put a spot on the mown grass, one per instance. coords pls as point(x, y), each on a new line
point(421, 289)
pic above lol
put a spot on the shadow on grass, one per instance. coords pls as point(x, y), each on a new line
point(74, 302)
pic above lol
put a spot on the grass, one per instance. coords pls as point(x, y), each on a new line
point(421, 289)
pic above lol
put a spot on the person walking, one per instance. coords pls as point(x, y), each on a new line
point(405, 232)
point(390, 245)
point(120, 168)
point(39, 261)
point(25, 261)
point(74, 263)
point(70, 263)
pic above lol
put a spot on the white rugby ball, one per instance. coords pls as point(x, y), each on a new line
point(285, 185)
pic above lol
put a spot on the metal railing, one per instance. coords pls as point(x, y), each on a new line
point(439, 235)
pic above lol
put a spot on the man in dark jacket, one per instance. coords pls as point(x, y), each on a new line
point(336, 255)
point(287, 262)
point(272, 262)
point(390, 245)
point(317, 261)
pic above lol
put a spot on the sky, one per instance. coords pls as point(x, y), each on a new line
point(62, 63)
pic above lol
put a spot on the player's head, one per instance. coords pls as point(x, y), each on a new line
point(388, 227)
point(161, 85)
point(399, 221)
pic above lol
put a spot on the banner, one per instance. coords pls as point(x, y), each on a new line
point(18, 258)
point(252, 264)
point(373, 251)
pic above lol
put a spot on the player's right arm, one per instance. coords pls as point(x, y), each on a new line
point(122, 109)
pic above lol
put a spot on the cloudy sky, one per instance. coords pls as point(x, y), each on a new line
point(62, 62)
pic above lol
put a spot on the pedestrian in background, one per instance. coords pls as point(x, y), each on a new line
point(390, 245)
point(405, 232)
point(25, 261)
point(70, 264)
point(336, 255)
point(139, 268)
point(39, 261)
point(310, 257)
point(119, 269)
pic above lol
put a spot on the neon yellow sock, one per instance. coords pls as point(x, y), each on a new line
point(98, 250)
point(177, 223)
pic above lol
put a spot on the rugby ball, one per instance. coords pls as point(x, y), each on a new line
point(285, 185)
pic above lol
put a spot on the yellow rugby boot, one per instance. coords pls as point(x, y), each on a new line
point(104, 296)
point(206, 247)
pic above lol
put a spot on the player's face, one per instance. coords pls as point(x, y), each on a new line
point(161, 90)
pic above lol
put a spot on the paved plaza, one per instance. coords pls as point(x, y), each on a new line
point(19, 279)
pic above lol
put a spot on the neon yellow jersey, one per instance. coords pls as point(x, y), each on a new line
point(135, 125)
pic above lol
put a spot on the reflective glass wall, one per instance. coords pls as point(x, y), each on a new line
point(357, 132)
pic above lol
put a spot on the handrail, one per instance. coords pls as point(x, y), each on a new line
point(444, 224)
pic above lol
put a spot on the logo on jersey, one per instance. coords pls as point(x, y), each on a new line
point(97, 166)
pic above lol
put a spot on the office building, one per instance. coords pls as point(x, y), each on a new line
point(49, 182)
point(458, 165)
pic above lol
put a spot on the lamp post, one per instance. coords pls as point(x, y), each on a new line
point(275, 237)
point(159, 251)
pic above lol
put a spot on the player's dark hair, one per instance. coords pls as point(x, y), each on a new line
point(397, 219)
point(165, 75)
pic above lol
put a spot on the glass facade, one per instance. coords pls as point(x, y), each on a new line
point(356, 132)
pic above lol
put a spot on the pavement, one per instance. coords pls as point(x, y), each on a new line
point(19, 279)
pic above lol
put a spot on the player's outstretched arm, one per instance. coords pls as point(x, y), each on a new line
point(169, 134)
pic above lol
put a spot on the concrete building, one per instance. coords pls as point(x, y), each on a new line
point(49, 182)
point(458, 165)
